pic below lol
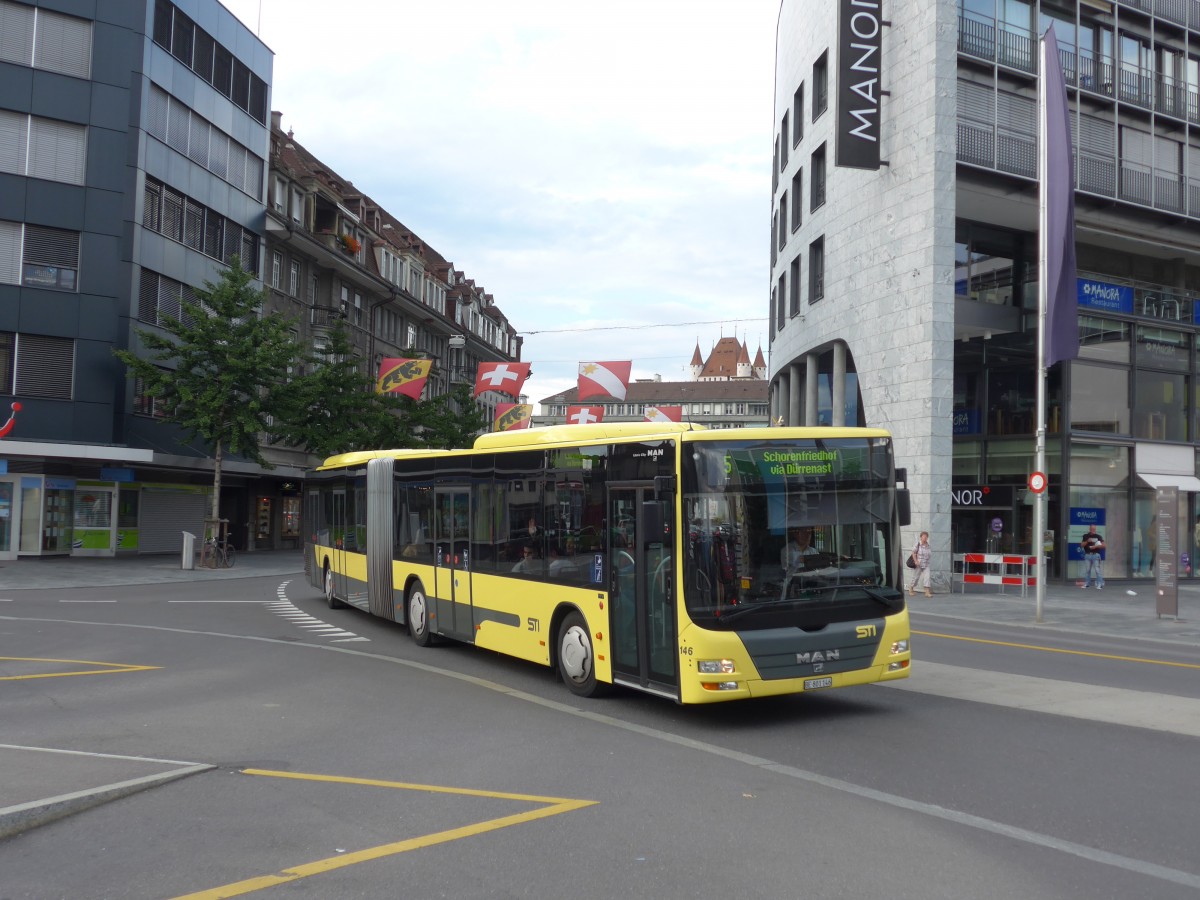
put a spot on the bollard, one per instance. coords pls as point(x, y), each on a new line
point(189, 551)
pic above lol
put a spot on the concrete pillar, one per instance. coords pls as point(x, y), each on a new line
point(810, 390)
point(839, 384)
point(795, 396)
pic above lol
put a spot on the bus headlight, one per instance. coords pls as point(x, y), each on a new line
point(899, 647)
point(715, 667)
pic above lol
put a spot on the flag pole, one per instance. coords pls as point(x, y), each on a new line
point(1039, 497)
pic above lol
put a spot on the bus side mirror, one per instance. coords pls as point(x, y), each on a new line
point(656, 523)
point(903, 507)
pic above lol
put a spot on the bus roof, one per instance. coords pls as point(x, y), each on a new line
point(359, 457)
point(574, 434)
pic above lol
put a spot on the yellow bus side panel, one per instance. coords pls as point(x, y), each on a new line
point(524, 612)
point(699, 644)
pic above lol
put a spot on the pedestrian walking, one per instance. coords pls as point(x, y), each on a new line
point(920, 556)
point(1092, 546)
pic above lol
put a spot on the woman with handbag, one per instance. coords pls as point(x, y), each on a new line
point(918, 561)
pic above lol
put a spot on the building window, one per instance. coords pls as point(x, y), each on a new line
point(774, 235)
point(185, 131)
point(182, 219)
point(50, 258)
point(45, 366)
point(783, 216)
point(798, 197)
point(817, 179)
point(195, 48)
point(294, 278)
point(779, 305)
point(783, 143)
point(8, 353)
point(45, 40)
point(820, 86)
point(816, 270)
point(276, 270)
point(794, 296)
point(771, 318)
point(42, 148)
point(798, 115)
point(145, 403)
point(775, 167)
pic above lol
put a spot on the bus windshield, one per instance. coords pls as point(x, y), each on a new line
point(795, 533)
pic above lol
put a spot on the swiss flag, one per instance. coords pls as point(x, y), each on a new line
point(502, 377)
point(664, 413)
point(604, 379)
point(584, 415)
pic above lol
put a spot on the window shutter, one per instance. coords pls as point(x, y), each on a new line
point(148, 298)
point(178, 120)
point(57, 150)
point(198, 140)
point(218, 154)
point(45, 366)
point(156, 114)
point(193, 225)
point(16, 33)
point(151, 201)
point(51, 247)
point(63, 44)
point(14, 136)
point(10, 253)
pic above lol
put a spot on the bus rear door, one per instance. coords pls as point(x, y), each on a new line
point(453, 573)
point(641, 596)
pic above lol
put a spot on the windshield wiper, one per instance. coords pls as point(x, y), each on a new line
point(896, 602)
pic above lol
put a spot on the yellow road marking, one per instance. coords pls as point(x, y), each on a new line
point(107, 668)
point(555, 806)
point(1137, 659)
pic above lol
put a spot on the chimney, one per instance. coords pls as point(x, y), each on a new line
point(276, 119)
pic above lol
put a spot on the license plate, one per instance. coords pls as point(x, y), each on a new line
point(811, 684)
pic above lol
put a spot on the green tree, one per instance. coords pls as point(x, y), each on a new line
point(333, 407)
point(451, 420)
point(218, 369)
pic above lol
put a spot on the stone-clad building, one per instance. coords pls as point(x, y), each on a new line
point(904, 286)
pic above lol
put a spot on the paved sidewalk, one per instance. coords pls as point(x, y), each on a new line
point(1124, 609)
point(28, 572)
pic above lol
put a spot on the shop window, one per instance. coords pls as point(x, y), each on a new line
point(1099, 399)
point(1160, 406)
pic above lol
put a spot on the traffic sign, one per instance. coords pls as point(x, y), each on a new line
point(1037, 482)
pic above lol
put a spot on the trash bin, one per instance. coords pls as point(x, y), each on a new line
point(189, 551)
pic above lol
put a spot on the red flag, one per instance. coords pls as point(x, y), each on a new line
point(512, 416)
point(503, 377)
point(403, 376)
point(584, 415)
point(604, 379)
point(664, 413)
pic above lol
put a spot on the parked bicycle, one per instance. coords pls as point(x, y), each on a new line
point(219, 554)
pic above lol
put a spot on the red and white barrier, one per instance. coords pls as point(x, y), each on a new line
point(1001, 572)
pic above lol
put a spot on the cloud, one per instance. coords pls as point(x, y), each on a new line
point(591, 165)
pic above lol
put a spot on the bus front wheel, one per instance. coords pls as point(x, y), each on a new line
point(577, 657)
point(418, 616)
point(330, 598)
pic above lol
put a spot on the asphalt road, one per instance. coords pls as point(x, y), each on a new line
point(349, 763)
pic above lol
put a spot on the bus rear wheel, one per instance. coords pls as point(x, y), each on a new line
point(418, 616)
point(577, 657)
point(330, 599)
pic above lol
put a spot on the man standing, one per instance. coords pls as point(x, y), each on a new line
point(1092, 546)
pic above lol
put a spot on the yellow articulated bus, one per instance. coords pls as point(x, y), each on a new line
point(695, 564)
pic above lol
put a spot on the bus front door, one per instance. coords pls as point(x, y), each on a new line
point(453, 573)
point(339, 527)
point(641, 595)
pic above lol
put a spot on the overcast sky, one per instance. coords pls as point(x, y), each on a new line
point(603, 170)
